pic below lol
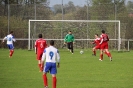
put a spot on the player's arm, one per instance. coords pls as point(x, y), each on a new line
point(13, 39)
point(65, 39)
point(43, 59)
point(92, 42)
point(45, 45)
point(107, 38)
point(58, 59)
point(35, 50)
point(101, 40)
point(36, 47)
point(4, 39)
point(73, 39)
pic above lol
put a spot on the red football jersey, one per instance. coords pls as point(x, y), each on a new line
point(40, 45)
point(105, 38)
point(96, 41)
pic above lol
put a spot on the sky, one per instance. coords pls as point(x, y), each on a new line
point(76, 2)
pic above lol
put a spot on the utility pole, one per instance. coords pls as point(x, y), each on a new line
point(8, 16)
point(87, 23)
point(115, 18)
point(62, 19)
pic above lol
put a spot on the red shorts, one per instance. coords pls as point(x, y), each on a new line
point(97, 47)
point(39, 56)
point(104, 46)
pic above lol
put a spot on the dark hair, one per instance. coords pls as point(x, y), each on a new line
point(103, 31)
point(52, 42)
point(11, 32)
point(96, 34)
point(40, 35)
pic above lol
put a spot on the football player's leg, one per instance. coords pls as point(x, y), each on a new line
point(39, 61)
point(11, 49)
point(101, 54)
point(95, 48)
point(68, 46)
point(45, 80)
point(72, 47)
point(101, 51)
point(38, 58)
point(94, 51)
point(109, 54)
point(107, 51)
point(53, 71)
point(45, 70)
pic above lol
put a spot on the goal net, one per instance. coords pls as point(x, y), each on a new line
point(83, 31)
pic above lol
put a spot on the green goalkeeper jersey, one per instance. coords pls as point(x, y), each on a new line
point(69, 38)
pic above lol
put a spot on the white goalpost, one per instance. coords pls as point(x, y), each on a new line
point(87, 24)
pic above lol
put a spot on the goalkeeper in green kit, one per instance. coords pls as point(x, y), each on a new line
point(69, 40)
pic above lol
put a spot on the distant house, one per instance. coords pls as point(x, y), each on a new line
point(130, 14)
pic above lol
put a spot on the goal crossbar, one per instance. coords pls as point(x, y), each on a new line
point(76, 20)
point(97, 21)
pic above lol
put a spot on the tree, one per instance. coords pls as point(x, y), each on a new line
point(66, 8)
point(130, 7)
point(101, 9)
point(58, 8)
point(69, 7)
point(81, 13)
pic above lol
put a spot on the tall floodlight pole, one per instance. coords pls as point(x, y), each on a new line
point(87, 24)
point(8, 17)
point(33, 35)
point(115, 19)
point(35, 16)
point(62, 19)
point(62, 11)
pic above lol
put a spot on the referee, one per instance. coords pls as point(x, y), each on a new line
point(69, 40)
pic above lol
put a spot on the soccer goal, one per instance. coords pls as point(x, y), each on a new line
point(83, 30)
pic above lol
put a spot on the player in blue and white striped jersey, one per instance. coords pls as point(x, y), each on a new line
point(51, 57)
point(10, 39)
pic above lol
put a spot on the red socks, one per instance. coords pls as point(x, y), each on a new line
point(45, 80)
point(94, 52)
point(11, 52)
point(54, 82)
point(101, 56)
point(108, 54)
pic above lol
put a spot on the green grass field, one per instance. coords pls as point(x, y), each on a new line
point(76, 71)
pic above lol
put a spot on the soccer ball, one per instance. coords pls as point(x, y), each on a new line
point(81, 52)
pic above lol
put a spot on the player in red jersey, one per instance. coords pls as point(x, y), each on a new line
point(97, 45)
point(104, 46)
point(40, 45)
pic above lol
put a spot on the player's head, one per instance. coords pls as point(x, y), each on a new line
point(96, 35)
point(103, 31)
point(70, 32)
point(51, 42)
point(40, 35)
point(11, 32)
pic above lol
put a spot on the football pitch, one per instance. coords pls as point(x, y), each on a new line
point(76, 70)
